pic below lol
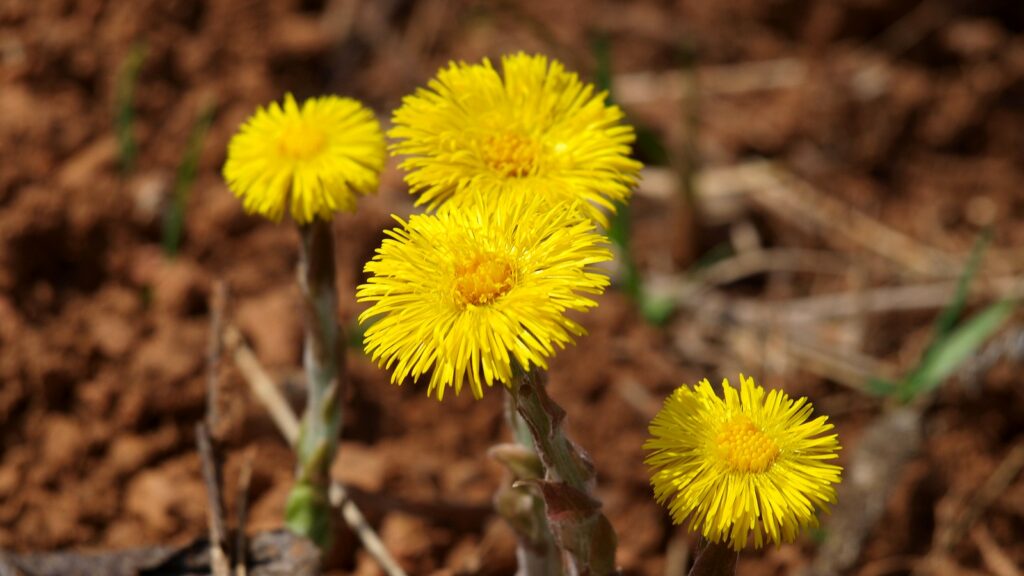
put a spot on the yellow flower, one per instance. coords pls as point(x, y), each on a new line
point(749, 463)
point(535, 130)
point(316, 158)
point(471, 290)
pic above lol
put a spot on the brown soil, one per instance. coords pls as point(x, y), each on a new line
point(911, 112)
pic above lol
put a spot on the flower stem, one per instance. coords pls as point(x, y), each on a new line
point(308, 510)
point(537, 554)
point(574, 515)
point(714, 559)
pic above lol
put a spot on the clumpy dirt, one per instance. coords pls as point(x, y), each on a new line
point(911, 112)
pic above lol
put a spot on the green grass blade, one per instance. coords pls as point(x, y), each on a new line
point(951, 313)
point(619, 234)
point(619, 225)
point(124, 107)
point(884, 387)
point(603, 66)
point(955, 348)
point(173, 229)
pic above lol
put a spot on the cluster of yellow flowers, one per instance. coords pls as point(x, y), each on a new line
point(516, 170)
point(512, 165)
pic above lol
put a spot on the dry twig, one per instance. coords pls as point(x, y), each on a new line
point(755, 262)
point(980, 500)
point(797, 201)
point(677, 555)
point(218, 303)
point(261, 384)
point(798, 311)
point(722, 193)
point(927, 296)
point(244, 480)
point(888, 443)
point(220, 565)
point(663, 87)
point(995, 558)
point(272, 553)
point(740, 322)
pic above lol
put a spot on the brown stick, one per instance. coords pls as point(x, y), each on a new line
point(272, 553)
point(218, 302)
point(244, 481)
point(647, 87)
point(677, 555)
point(886, 445)
point(980, 500)
point(219, 562)
point(261, 385)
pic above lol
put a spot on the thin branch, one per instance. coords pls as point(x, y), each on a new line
point(980, 500)
point(354, 518)
point(997, 560)
point(638, 88)
point(262, 385)
point(734, 321)
point(219, 563)
point(206, 435)
point(722, 192)
point(894, 298)
point(218, 302)
point(755, 262)
point(800, 203)
point(885, 447)
point(854, 303)
point(677, 554)
point(244, 481)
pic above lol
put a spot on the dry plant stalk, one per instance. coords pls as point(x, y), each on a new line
point(220, 562)
point(207, 435)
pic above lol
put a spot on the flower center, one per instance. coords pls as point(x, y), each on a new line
point(744, 446)
point(510, 154)
point(301, 141)
point(483, 279)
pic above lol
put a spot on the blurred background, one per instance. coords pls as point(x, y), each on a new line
point(833, 204)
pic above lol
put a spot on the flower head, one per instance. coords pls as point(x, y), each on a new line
point(534, 130)
point(473, 289)
point(316, 158)
point(752, 462)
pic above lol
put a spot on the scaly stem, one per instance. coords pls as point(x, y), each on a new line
point(537, 554)
point(308, 510)
point(575, 516)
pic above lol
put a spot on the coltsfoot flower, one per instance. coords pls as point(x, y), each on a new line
point(533, 130)
point(315, 159)
point(751, 463)
point(470, 290)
